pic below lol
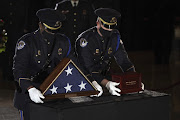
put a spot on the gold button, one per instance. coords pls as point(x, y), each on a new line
point(49, 66)
point(74, 19)
point(48, 43)
point(36, 55)
point(48, 54)
point(75, 13)
point(39, 61)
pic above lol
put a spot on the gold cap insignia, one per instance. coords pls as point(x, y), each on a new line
point(58, 23)
point(113, 20)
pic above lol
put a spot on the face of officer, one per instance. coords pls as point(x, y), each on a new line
point(103, 31)
point(46, 33)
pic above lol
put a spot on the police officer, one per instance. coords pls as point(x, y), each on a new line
point(44, 47)
point(80, 17)
point(96, 46)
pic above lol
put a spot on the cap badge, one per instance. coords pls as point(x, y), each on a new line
point(58, 23)
point(83, 42)
point(113, 20)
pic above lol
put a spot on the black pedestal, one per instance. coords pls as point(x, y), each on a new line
point(149, 105)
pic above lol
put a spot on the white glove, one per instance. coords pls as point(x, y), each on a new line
point(35, 95)
point(142, 87)
point(98, 87)
point(111, 86)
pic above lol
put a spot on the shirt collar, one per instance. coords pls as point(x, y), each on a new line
point(72, 2)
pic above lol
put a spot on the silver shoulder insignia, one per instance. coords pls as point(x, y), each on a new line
point(21, 45)
point(83, 42)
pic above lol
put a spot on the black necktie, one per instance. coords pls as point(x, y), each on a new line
point(75, 4)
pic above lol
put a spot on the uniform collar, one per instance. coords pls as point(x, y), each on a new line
point(98, 35)
point(72, 2)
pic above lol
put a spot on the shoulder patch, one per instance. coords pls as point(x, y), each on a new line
point(21, 45)
point(83, 42)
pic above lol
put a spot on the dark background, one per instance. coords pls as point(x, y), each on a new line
point(150, 30)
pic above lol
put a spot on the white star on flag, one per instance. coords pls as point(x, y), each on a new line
point(54, 89)
point(69, 71)
point(82, 85)
point(68, 87)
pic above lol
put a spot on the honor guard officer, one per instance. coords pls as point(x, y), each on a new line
point(37, 53)
point(96, 46)
point(79, 17)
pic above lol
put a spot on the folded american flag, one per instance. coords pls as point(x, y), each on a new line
point(67, 80)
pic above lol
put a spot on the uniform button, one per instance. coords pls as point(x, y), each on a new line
point(10, 3)
point(39, 61)
point(74, 32)
point(101, 63)
point(49, 66)
point(102, 41)
point(36, 55)
point(10, 13)
point(48, 54)
point(45, 40)
point(75, 13)
point(10, 22)
point(74, 19)
point(48, 43)
point(74, 25)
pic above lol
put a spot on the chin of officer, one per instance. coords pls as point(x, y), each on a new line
point(96, 46)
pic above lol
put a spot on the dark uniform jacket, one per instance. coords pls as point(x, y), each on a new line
point(94, 52)
point(31, 54)
point(78, 19)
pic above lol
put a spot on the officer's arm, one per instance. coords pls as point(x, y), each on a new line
point(21, 65)
point(122, 59)
point(85, 57)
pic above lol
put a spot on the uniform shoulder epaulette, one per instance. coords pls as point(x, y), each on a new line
point(87, 32)
point(63, 1)
point(26, 36)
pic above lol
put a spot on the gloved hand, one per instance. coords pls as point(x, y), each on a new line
point(142, 87)
point(111, 86)
point(35, 95)
point(98, 87)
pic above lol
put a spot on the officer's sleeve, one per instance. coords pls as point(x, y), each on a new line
point(122, 59)
point(85, 58)
point(21, 64)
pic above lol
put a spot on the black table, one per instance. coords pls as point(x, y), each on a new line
point(149, 105)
